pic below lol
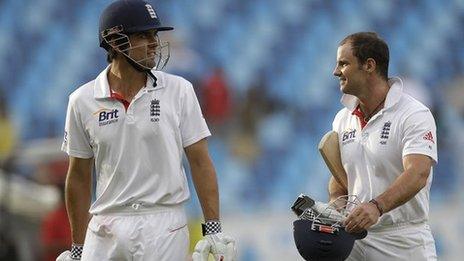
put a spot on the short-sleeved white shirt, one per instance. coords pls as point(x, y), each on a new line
point(372, 156)
point(138, 153)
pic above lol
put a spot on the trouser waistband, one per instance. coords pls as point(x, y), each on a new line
point(141, 208)
point(397, 226)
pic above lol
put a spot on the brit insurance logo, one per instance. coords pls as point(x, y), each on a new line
point(107, 116)
point(348, 136)
point(155, 110)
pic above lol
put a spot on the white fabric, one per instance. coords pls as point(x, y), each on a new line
point(161, 236)
point(372, 157)
point(221, 246)
point(138, 153)
point(407, 243)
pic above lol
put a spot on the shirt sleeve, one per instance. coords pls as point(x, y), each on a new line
point(76, 141)
point(193, 125)
point(419, 135)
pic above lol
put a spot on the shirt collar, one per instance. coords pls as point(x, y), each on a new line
point(102, 87)
point(393, 95)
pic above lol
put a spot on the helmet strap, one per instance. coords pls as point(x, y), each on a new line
point(140, 68)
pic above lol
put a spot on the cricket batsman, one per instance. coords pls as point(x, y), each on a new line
point(388, 147)
point(131, 126)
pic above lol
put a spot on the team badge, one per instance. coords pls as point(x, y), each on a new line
point(385, 133)
point(155, 110)
point(151, 11)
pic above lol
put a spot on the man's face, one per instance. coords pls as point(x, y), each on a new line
point(348, 70)
point(144, 47)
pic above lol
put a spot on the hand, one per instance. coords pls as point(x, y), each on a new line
point(65, 256)
point(220, 245)
point(361, 218)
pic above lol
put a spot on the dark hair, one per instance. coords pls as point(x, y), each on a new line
point(112, 53)
point(369, 45)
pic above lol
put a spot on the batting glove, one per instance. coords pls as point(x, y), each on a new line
point(214, 242)
point(73, 255)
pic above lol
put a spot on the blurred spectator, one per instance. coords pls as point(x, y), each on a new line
point(7, 134)
point(256, 105)
point(55, 232)
point(251, 110)
point(7, 145)
point(216, 99)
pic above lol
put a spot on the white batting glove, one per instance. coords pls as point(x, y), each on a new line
point(65, 256)
point(221, 246)
point(73, 255)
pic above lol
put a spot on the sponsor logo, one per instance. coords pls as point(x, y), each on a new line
point(429, 136)
point(107, 116)
point(348, 136)
point(155, 110)
point(385, 133)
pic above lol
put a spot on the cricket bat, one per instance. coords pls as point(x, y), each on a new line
point(330, 152)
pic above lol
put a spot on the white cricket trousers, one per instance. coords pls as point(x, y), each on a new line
point(397, 243)
point(160, 235)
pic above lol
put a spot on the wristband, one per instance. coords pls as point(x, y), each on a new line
point(373, 201)
point(211, 227)
point(76, 251)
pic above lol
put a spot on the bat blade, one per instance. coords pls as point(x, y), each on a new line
point(330, 152)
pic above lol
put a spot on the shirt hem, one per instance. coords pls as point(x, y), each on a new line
point(195, 139)
point(426, 153)
point(78, 154)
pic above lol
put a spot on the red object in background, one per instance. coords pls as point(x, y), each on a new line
point(55, 233)
point(216, 97)
point(57, 170)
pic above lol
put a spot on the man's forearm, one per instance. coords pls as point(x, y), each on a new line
point(204, 178)
point(405, 187)
point(335, 189)
point(77, 204)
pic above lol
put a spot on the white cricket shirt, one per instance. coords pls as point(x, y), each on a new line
point(138, 153)
point(372, 156)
